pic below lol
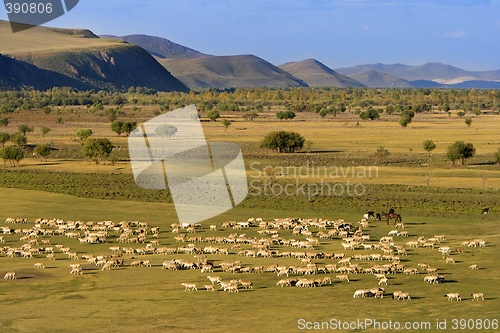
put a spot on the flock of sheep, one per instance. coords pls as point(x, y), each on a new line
point(300, 239)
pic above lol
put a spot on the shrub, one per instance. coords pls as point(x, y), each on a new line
point(213, 115)
point(283, 141)
point(460, 151)
point(429, 146)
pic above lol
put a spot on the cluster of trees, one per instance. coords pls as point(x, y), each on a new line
point(323, 101)
point(283, 141)
point(120, 127)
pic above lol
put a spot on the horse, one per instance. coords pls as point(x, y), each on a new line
point(397, 217)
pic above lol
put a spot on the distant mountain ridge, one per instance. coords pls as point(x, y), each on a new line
point(431, 71)
point(230, 72)
point(377, 79)
point(316, 74)
point(41, 58)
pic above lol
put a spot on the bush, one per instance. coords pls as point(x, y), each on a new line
point(84, 133)
point(19, 139)
point(213, 115)
point(285, 115)
point(12, 154)
point(43, 151)
point(371, 114)
point(460, 151)
point(429, 146)
point(97, 149)
point(283, 142)
point(4, 137)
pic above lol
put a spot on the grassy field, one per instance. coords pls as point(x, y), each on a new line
point(432, 197)
point(145, 299)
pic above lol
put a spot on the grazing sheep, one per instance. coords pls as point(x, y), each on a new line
point(209, 287)
point(284, 283)
point(39, 265)
point(450, 260)
point(404, 296)
point(452, 296)
point(214, 279)
point(189, 286)
point(383, 281)
point(246, 284)
point(343, 277)
point(396, 294)
point(326, 280)
point(477, 296)
point(474, 267)
point(10, 276)
point(360, 293)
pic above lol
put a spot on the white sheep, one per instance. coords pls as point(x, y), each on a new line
point(189, 286)
point(10, 276)
point(474, 267)
point(452, 296)
point(39, 265)
point(284, 283)
point(477, 296)
point(209, 287)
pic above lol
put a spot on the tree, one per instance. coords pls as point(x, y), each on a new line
point(128, 127)
point(43, 151)
point(370, 113)
point(406, 117)
point(460, 151)
point(25, 129)
point(250, 115)
point(97, 149)
point(4, 137)
point(226, 123)
point(47, 110)
point(117, 127)
point(460, 114)
point(19, 139)
point(285, 115)
point(468, 121)
point(45, 130)
point(4, 121)
point(213, 115)
point(283, 141)
point(12, 154)
point(84, 133)
point(166, 130)
point(429, 146)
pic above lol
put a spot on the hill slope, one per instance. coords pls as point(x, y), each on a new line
point(84, 61)
point(376, 79)
point(316, 74)
point(16, 74)
point(229, 72)
point(160, 47)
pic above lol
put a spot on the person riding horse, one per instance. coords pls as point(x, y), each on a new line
point(391, 212)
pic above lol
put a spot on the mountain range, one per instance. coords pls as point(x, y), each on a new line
point(42, 58)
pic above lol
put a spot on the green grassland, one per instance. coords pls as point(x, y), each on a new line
point(432, 197)
point(145, 299)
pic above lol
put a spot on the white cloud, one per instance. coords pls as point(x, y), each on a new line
point(455, 35)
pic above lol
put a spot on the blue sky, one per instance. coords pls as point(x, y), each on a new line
point(339, 33)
